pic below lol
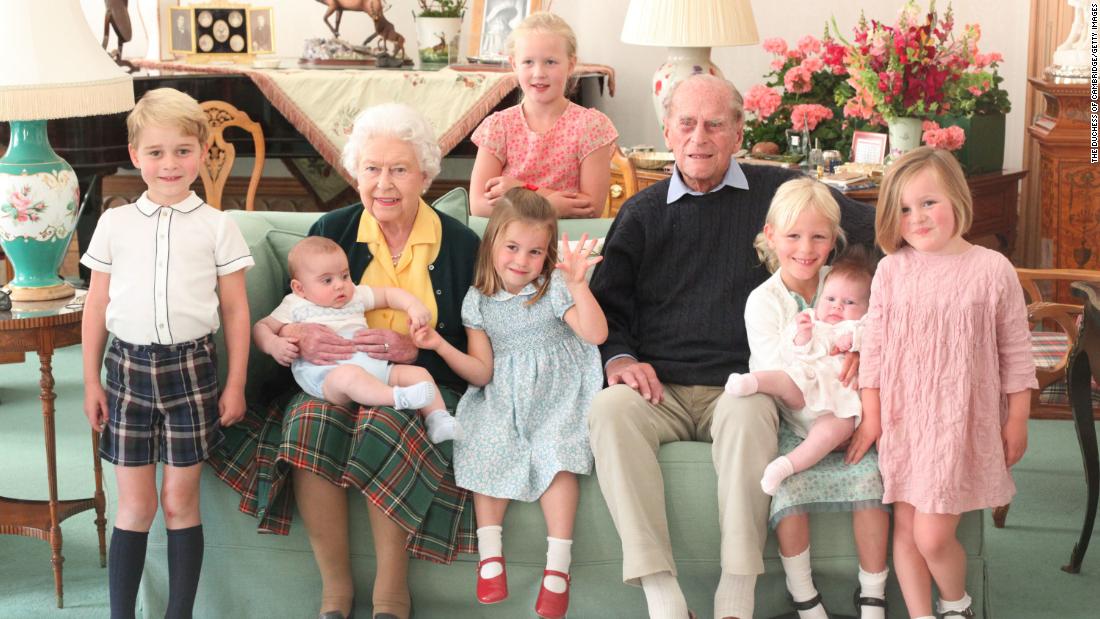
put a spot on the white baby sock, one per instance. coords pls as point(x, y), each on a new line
point(800, 582)
point(735, 595)
point(957, 605)
point(413, 397)
point(489, 545)
point(774, 474)
point(664, 597)
point(872, 585)
point(559, 554)
point(742, 384)
point(441, 426)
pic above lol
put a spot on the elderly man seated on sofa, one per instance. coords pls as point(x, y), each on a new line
point(679, 263)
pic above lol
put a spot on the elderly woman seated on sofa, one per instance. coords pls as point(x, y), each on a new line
point(392, 238)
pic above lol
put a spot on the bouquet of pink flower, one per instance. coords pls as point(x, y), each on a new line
point(801, 91)
point(916, 67)
point(947, 138)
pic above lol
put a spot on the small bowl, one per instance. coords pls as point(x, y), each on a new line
point(652, 161)
point(266, 63)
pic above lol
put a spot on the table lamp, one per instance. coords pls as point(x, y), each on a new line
point(689, 28)
point(51, 66)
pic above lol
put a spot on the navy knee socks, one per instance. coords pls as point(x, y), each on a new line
point(125, 563)
point(185, 549)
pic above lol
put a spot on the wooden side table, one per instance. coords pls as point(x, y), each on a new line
point(1084, 366)
point(43, 327)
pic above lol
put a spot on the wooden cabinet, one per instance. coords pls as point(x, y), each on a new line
point(996, 197)
point(1069, 182)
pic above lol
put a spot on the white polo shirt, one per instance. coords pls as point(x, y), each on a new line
point(164, 263)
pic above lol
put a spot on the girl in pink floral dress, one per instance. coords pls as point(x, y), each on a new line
point(547, 143)
point(946, 370)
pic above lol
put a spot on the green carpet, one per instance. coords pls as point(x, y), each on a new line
point(1024, 559)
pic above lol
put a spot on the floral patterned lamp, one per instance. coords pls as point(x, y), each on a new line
point(51, 66)
point(689, 28)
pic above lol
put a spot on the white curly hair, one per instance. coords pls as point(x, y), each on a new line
point(399, 121)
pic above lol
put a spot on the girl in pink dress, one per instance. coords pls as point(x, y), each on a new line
point(548, 144)
point(946, 373)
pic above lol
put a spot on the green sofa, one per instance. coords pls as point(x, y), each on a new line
point(267, 576)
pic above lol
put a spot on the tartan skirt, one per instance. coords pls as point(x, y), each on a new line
point(383, 453)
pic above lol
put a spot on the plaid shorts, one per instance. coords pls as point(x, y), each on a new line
point(162, 403)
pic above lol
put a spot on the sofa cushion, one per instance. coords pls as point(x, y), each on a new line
point(455, 203)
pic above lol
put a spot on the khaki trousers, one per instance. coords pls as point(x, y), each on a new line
point(627, 432)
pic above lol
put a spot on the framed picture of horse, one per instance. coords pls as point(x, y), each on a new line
point(491, 21)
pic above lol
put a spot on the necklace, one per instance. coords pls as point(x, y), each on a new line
point(396, 257)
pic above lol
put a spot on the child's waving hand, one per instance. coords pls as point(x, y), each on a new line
point(575, 262)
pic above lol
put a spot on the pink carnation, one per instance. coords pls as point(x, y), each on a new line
point(929, 125)
point(809, 45)
point(948, 138)
point(984, 60)
point(809, 115)
point(813, 64)
point(775, 45)
point(798, 80)
point(762, 101)
point(778, 63)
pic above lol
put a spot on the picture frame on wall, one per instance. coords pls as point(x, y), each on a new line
point(491, 21)
point(868, 147)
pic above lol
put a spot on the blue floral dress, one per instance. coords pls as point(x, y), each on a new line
point(531, 421)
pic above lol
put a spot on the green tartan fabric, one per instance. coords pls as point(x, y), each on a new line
point(382, 452)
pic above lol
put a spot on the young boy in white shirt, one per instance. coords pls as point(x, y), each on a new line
point(162, 268)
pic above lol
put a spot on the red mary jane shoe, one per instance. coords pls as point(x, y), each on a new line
point(552, 605)
point(495, 589)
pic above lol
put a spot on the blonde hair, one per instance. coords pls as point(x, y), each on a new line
point(546, 23)
point(952, 183)
point(167, 107)
point(527, 207)
point(307, 248)
point(793, 198)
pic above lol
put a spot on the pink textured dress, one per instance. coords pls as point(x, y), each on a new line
point(551, 159)
point(945, 338)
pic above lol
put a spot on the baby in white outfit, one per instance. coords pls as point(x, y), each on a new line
point(322, 292)
point(813, 400)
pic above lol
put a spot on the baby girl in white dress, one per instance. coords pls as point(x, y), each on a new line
point(813, 400)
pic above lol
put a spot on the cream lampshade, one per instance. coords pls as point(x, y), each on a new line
point(688, 28)
point(51, 66)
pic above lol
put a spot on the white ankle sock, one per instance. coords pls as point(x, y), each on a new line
point(960, 604)
point(735, 595)
point(800, 582)
point(413, 397)
point(441, 426)
point(872, 585)
point(489, 544)
point(664, 597)
point(774, 474)
point(742, 384)
point(559, 554)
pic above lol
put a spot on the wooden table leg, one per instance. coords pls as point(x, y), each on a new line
point(100, 501)
point(47, 395)
point(1083, 364)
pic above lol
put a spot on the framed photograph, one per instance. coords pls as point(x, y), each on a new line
point(181, 31)
point(868, 147)
point(259, 31)
point(491, 21)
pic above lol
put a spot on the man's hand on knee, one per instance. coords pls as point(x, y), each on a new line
point(639, 376)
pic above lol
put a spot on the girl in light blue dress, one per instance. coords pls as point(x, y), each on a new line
point(533, 366)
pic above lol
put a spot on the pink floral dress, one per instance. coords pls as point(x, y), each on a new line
point(551, 159)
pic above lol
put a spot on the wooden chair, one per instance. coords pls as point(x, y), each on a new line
point(1054, 329)
point(221, 154)
point(621, 191)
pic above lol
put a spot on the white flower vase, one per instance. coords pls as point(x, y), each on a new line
point(904, 135)
point(437, 41)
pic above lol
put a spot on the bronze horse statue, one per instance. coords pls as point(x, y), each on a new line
point(117, 18)
point(383, 28)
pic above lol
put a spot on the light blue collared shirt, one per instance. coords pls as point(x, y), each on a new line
point(735, 177)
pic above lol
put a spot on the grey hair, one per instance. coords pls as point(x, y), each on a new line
point(399, 121)
point(737, 103)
